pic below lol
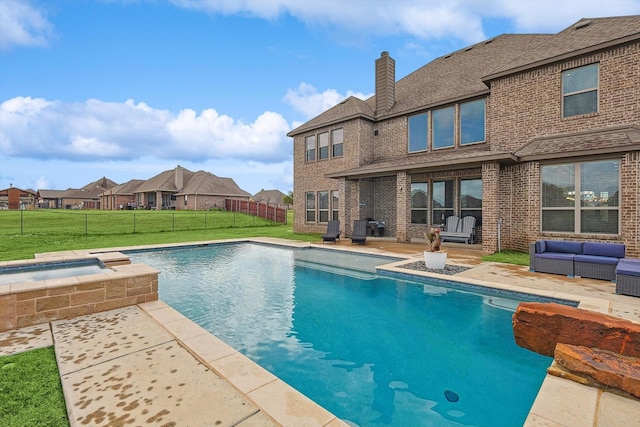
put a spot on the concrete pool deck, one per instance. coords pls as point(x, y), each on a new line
point(149, 364)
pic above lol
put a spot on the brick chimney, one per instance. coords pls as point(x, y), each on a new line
point(179, 177)
point(385, 83)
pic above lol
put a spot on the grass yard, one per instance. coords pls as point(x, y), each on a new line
point(24, 234)
point(31, 390)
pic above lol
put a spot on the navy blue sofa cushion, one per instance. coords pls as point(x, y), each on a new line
point(595, 259)
point(541, 246)
point(615, 250)
point(562, 246)
point(629, 267)
point(556, 255)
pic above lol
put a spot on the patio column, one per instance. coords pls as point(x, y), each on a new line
point(490, 206)
point(403, 208)
point(344, 215)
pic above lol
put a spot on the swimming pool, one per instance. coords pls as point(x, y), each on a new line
point(33, 272)
point(374, 350)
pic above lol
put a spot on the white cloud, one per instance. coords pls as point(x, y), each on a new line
point(554, 15)
point(21, 24)
point(423, 19)
point(308, 101)
point(98, 130)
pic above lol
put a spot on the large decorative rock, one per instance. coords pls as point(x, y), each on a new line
point(540, 326)
point(605, 367)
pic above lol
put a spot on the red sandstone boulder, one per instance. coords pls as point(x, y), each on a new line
point(540, 326)
point(605, 367)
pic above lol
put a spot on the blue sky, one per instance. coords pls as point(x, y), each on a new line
point(129, 88)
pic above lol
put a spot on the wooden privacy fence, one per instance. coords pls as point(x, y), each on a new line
point(261, 210)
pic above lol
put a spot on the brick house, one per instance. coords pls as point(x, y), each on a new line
point(121, 197)
point(181, 189)
point(536, 135)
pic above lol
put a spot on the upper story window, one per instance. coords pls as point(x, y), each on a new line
point(311, 148)
point(580, 91)
point(418, 136)
point(443, 127)
point(472, 122)
point(323, 146)
point(337, 142)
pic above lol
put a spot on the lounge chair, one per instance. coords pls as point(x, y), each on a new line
point(359, 234)
point(464, 232)
point(333, 231)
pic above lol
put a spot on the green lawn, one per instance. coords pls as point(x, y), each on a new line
point(24, 233)
point(30, 390)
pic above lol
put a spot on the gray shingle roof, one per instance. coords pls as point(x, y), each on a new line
point(206, 183)
point(586, 35)
point(273, 197)
point(164, 181)
point(462, 74)
point(608, 140)
point(349, 108)
point(128, 188)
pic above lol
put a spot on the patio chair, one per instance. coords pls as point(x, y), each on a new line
point(359, 234)
point(464, 232)
point(451, 224)
point(333, 231)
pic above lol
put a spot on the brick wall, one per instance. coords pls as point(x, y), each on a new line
point(40, 302)
point(528, 105)
point(310, 176)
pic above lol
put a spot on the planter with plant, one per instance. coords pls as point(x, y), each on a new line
point(434, 258)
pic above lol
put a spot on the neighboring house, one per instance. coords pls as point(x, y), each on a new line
point(121, 196)
point(537, 136)
point(50, 199)
point(206, 191)
point(87, 197)
point(16, 198)
point(271, 197)
point(159, 192)
point(182, 189)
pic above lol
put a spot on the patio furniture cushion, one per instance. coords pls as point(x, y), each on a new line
point(562, 246)
point(594, 259)
point(556, 255)
point(541, 246)
point(628, 267)
point(615, 250)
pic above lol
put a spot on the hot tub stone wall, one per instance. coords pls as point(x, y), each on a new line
point(33, 303)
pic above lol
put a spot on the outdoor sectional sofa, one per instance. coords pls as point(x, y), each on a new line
point(583, 259)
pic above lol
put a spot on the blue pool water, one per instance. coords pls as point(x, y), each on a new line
point(48, 270)
point(372, 349)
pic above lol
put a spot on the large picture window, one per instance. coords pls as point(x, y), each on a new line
point(418, 134)
point(419, 199)
point(311, 148)
point(310, 200)
point(443, 196)
point(443, 127)
point(580, 91)
point(337, 143)
point(581, 197)
point(472, 122)
point(323, 146)
point(471, 199)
